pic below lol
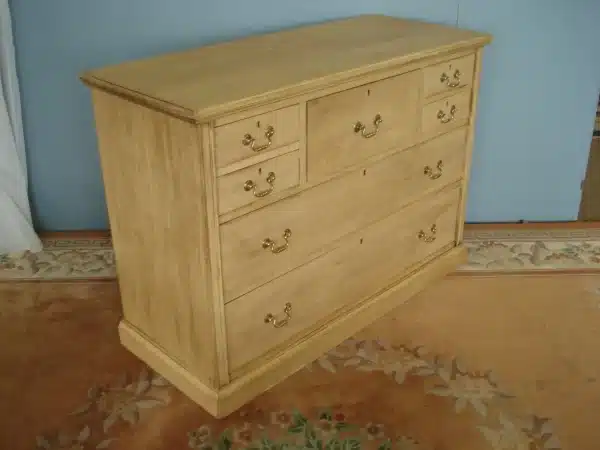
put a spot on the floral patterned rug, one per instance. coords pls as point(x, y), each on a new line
point(474, 363)
point(495, 250)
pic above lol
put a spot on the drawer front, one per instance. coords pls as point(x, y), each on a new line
point(258, 181)
point(365, 263)
point(346, 128)
point(256, 135)
point(448, 76)
point(447, 114)
point(298, 227)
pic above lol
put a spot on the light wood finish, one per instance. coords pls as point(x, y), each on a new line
point(218, 79)
point(470, 142)
point(287, 361)
point(229, 139)
point(266, 178)
point(448, 76)
point(333, 142)
point(359, 197)
point(446, 114)
point(197, 274)
point(368, 260)
point(164, 280)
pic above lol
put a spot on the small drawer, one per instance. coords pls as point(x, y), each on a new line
point(258, 247)
point(245, 186)
point(446, 114)
point(346, 128)
point(448, 76)
point(256, 135)
point(366, 262)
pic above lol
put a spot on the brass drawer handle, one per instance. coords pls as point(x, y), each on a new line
point(250, 141)
point(434, 175)
point(359, 127)
point(445, 118)
point(449, 81)
point(251, 186)
point(269, 244)
point(278, 323)
point(428, 238)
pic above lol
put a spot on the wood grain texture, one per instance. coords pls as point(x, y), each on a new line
point(232, 190)
point(433, 81)
point(433, 125)
point(201, 260)
point(469, 145)
point(368, 260)
point(165, 282)
point(230, 149)
point(279, 366)
point(215, 79)
point(319, 216)
point(333, 143)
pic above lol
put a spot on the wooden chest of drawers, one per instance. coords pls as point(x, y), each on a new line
point(270, 196)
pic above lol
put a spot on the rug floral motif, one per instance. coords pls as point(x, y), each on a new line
point(418, 402)
point(488, 251)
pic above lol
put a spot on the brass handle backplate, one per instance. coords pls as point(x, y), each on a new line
point(453, 81)
point(434, 175)
point(278, 323)
point(251, 186)
point(445, 118)
point(250, 141)
point(361, 128)
point(269, 244)
point(428, 238)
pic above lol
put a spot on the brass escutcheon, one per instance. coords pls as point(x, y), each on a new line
point(430, 172)
point(250, 141)
point(278, 323)
point(359, 127)
point(269, 244)
point(453, 81)
point(428, 238)
point(251, 186)
point(445, 118)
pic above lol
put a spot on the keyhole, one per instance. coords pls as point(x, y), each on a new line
point(361, 240)
point(446, 103)
point(364, 172)
point(260, 170)
point(258, 124)
point(368, 92)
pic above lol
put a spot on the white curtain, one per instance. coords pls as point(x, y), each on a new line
point(16, 229)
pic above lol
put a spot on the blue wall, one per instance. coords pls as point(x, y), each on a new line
point(540, 84)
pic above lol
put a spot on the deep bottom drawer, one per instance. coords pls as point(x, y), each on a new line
point(363, 264)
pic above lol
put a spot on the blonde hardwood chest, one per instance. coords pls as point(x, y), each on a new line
point(270, 196)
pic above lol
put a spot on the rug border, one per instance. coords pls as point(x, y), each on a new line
point(507, 231)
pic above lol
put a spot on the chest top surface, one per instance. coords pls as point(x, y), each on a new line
point(203, 82)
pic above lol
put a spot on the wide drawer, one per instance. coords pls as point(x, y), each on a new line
point(364, 264)
point(256, 135)
point(258, 181)
point(271, 241)
point(448, 76)
point(449, 113)
point(348, 127)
